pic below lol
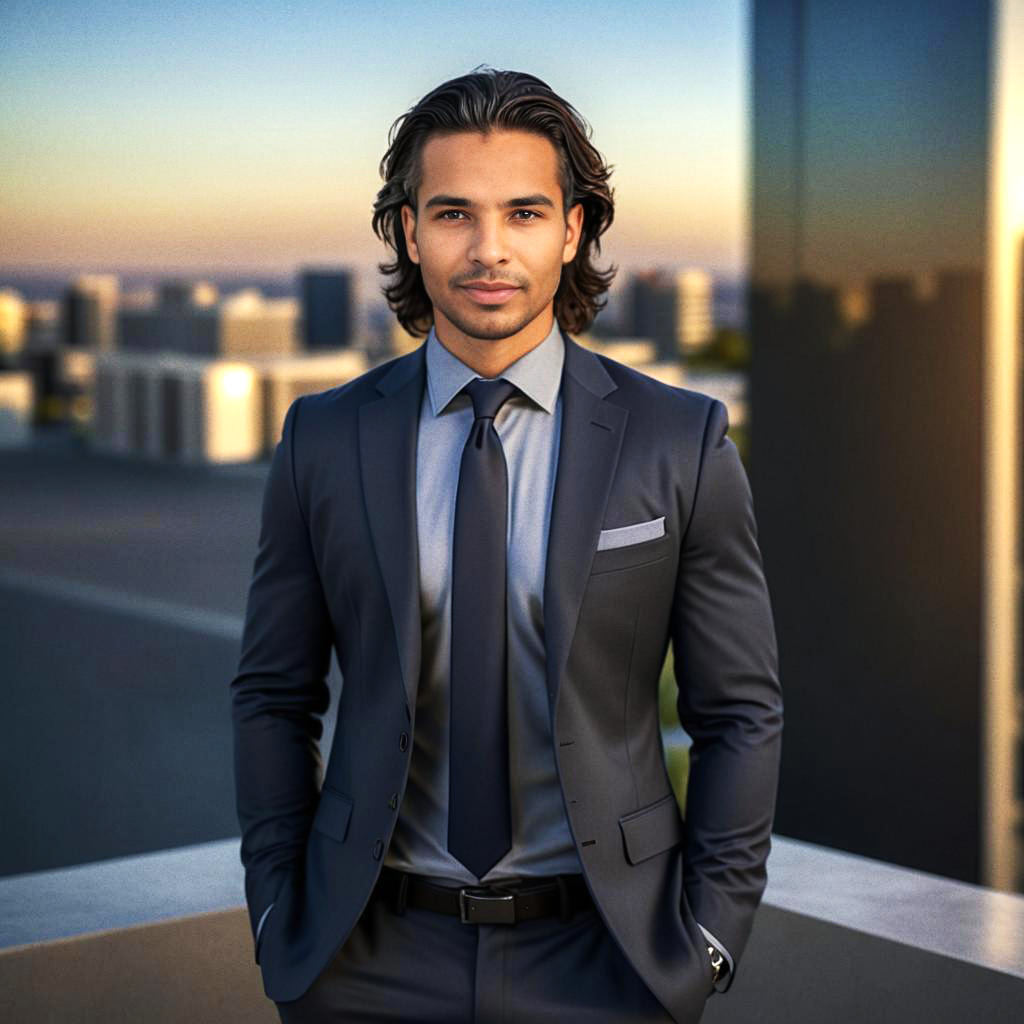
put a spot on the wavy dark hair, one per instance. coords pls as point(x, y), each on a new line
point(486, 99)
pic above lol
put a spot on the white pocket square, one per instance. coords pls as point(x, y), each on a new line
point(620, 536)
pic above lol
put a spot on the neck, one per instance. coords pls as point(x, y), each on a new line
point(491, 357)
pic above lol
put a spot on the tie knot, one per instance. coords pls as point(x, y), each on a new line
point(489, 396)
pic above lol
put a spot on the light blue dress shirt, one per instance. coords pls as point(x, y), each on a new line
point(529, 426)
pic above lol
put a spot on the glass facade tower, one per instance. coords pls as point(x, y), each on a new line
point(887, 222)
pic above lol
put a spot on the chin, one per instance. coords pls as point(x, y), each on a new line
point(489, 326)
point(491, 332)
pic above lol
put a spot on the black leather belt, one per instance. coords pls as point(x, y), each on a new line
point(491, 903)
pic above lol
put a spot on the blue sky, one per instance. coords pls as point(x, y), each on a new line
point(249, 135)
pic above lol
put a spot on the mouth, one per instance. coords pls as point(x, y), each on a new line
point(490, 295)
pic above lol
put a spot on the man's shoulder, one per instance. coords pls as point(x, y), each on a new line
point(644, 394)
point(353, 393)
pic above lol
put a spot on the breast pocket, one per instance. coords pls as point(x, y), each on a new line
point(630, 546)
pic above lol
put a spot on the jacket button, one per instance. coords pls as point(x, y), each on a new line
point(378, 849)
point(393, 801)
point(403, 741)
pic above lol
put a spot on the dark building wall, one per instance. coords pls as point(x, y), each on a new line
point(865, 306)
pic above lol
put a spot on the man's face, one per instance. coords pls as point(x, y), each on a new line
point(489, 212)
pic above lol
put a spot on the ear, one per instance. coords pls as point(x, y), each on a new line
point(409, 230)
point(573, 230)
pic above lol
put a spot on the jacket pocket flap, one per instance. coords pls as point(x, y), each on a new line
point(333, 813)
point(652, 829)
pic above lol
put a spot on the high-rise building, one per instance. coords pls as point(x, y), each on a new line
point(13, 322)
point(674, 310)
point(885, 318)
point(328, 307)
point(652, 311)
point(89, 312)
point(694, 318)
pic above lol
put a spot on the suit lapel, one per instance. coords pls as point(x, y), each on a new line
point(388, 429)
point(591, 439)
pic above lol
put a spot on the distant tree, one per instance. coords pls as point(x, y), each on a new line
point(729, 349)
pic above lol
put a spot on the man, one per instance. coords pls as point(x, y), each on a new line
point(500, 533)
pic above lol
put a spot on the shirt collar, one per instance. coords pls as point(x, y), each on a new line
point(538, 373)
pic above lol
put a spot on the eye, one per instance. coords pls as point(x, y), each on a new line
point(444, 214)
point(532, 214)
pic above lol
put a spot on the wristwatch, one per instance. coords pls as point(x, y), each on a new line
point(717, 960)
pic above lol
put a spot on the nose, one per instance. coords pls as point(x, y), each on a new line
point(489, 242)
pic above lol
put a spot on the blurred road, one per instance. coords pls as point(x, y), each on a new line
point(122, 596)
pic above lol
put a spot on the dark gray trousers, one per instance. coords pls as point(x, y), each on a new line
point(425, 966)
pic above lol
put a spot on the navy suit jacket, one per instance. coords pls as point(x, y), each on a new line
point(337, 567)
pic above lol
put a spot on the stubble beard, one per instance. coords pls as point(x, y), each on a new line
point(488, 326)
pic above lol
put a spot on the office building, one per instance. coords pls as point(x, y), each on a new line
point(89, 312)
point(885, 316)
point(673, 309)
point(328, 308)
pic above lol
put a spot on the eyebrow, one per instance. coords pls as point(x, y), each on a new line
point(537, 200)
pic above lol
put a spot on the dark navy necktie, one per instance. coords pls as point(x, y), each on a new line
point(479, 813)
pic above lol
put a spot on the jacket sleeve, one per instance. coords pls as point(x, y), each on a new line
point(280, 688)
point(259, 928)
point(729, 697)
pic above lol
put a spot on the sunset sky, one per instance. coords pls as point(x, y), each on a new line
point(178, 135)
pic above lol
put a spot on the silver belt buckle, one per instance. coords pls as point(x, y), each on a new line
point(487, 905)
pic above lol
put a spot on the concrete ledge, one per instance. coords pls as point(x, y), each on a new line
point(121, 892)
point(933, 914)
point(160, 937)
point(197, 969)
point(165, 937)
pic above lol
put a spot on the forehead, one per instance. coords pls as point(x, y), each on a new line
point(494, 165)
